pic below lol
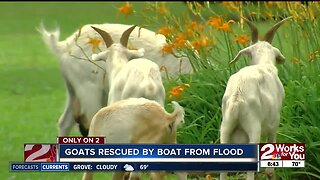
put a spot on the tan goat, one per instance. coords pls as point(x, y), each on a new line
point(137, 121)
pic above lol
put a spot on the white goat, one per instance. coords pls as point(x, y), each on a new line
point(252, 101)
point(136, 121)
point(129, 79)
point(86, 90)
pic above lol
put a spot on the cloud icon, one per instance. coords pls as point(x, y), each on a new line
point(128, 167)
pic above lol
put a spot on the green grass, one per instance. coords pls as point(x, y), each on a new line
point(299, 116)
point(32, 92)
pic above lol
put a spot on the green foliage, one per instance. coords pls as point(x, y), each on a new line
point(298, 40)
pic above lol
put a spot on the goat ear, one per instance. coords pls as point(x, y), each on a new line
point(102, 56)
point(176, 118)
point(242, 51)
point(280, 59)
point(171, 126)
point(135, 53)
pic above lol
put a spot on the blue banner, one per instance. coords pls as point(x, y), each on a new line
point(87, 166)
point(158, 151)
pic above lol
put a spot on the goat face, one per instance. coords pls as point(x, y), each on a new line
point(117, 49)
point(262, 52)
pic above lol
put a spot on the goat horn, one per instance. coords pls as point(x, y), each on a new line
point(254, 30)
point(270, 34)
point(125, 36)
point(105, 36)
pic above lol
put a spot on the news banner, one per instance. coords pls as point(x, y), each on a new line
point(92, 154)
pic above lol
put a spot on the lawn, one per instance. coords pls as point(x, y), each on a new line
point(32, 90)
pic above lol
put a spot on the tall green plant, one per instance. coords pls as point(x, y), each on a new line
point(211, 34)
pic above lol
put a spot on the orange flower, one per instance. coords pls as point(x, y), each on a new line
point(167, 49)
point(196, 45)
point(165, 31)
point(192, 28)
point(179, 41)
point(94, 42)
point(200, 43)
point(126, 9)
point(195, 26)
point(176, 91)
point(215, 22)
point(225, 26)
point(204, 41)
point(242, 39)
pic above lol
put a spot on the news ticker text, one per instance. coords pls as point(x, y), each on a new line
point(143, 166)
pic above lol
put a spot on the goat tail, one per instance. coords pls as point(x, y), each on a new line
point(232, 112)
point(177, 116)
point(51, 39)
